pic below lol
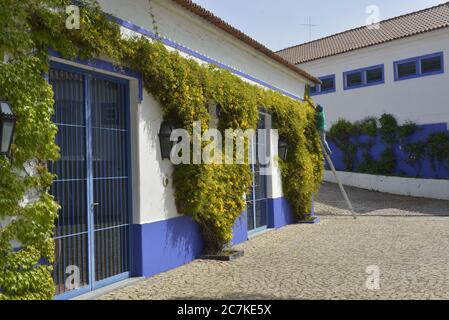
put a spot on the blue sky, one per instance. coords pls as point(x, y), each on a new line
point(278, 23)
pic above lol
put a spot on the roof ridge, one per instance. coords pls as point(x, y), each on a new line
point(225, 26)
point(361, 27)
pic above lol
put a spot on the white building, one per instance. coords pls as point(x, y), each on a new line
point(125, 120)
point(397, 68)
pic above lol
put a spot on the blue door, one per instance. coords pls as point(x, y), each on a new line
point(256, 200)
point(93, 183)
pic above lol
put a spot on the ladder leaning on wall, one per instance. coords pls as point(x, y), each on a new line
point(340, 185)
point(329, 160)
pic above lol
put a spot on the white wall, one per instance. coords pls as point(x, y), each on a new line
point(151, 200)
point(423, 188)
point(181, 26)
point(156, 202)
point(423, 100)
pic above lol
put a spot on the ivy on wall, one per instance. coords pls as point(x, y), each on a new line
point(213, 195)
point(347, 136)
point(27, 211)
point(437, 149)
point(303, 169)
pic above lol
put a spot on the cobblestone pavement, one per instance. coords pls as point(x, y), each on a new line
point(407, 238)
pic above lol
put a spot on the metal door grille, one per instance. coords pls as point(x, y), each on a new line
point(92, 185)
point(110, 178)
point(256, 201)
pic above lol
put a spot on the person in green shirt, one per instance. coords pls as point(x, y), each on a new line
point(320, 120)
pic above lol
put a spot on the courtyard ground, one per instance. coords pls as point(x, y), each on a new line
point(407, 239)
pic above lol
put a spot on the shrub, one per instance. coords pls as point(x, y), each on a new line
point(438, 150)
point(388, 128)
point(368, 126)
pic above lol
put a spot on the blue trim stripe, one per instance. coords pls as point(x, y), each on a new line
point(198, 55)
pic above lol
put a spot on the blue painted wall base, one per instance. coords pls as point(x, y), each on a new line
point(422, 169)
point(279, 213)
point(240, 230)
point(165, 245)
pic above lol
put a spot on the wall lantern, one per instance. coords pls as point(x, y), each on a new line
point(282, 148)
point(164, 139)
point(7, 127)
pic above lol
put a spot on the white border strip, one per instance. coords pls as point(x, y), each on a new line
point(422, 188)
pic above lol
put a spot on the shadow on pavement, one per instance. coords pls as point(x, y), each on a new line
point(331, 202)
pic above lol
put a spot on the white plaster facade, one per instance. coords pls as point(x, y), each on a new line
point(424, 100)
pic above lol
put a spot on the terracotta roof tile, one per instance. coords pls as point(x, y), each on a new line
point(392, 29)
point(219, 23)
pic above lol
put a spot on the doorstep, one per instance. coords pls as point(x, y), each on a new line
point(311, 221)
point(259, 233)
point(93, 295)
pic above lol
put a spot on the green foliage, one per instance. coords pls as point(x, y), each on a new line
point(407, 130)
point(438, 150)
point(342, 133)
point(368, 126)
point(22, 84)
point(342, 130)
point(415, 152)
point(388, 128)
point(347, 135)
point(27, 211)
point(384, 166)
point(212, 194)
point(303, 169)
point(388, 162)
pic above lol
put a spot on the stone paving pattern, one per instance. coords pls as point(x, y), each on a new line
point(407, 238)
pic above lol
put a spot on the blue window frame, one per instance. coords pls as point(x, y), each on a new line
point(417, 67)
point(327, 86)
point(354, 79)
point(375, 75)
point(364, 77)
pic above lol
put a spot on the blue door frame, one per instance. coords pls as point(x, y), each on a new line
point(123, 245)
point(257, 211)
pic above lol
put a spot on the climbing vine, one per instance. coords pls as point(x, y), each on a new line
point(361, 136)
point(342, 133)
point(303, 169)
point(437, 148)
point(27, 211)
point(213, 195)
